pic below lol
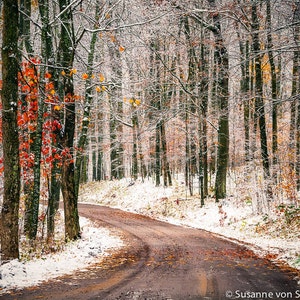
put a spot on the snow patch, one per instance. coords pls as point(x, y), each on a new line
point(93, 246)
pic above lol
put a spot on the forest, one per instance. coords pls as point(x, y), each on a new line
point(105, 89)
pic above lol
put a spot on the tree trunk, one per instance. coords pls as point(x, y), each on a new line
point(274, 82)
point(165, 163)
point(245, 92)
point(295, 105)
point(11, 196)
point(25, 16)
point(82, 142)
point(143, 169)
point(31, 188)
point(100, 166)
point(32, 213)
point(134, 119)
point(188, 175)
point(190, 107)
point(31, 224)
point(259, 104)
point(72, 228)
point(116, 128)
point(164, 98)
point(202, 121)
point(54, 184)
point(157, 155)
point(48, 59)
point(222, 92)
point(156, 104)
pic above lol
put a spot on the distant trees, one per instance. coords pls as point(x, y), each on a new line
point(266, 68)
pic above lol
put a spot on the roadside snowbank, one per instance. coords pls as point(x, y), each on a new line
point(232, 218)
point(78, 255)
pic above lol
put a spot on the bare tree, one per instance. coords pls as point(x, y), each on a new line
point(222, 88)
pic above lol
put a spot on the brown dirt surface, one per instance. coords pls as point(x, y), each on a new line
point(164, 261)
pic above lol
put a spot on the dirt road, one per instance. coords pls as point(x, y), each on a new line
point(164, 261)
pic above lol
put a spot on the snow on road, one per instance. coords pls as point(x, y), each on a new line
point(233, 218)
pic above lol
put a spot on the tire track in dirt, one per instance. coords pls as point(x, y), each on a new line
point(163, 261)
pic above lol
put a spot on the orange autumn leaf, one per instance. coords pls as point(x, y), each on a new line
point(121, 49)
point(50, 86)
point(57, 156)
point(101, 77)
point(48, 75)
point(85, 76)
point(113, 38)
point(25, 117)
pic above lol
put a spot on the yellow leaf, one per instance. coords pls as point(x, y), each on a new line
point(73, 71)
point(56, 107)
point(101, 77)
point(63, 73)
point(98, 89)
point(103, 88)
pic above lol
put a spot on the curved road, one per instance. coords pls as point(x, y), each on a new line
point(163, 261)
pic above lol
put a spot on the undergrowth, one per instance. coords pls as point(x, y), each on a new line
point(42, 245)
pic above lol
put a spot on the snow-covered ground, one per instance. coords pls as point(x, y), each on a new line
point(233, 218)
point(94, 245)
